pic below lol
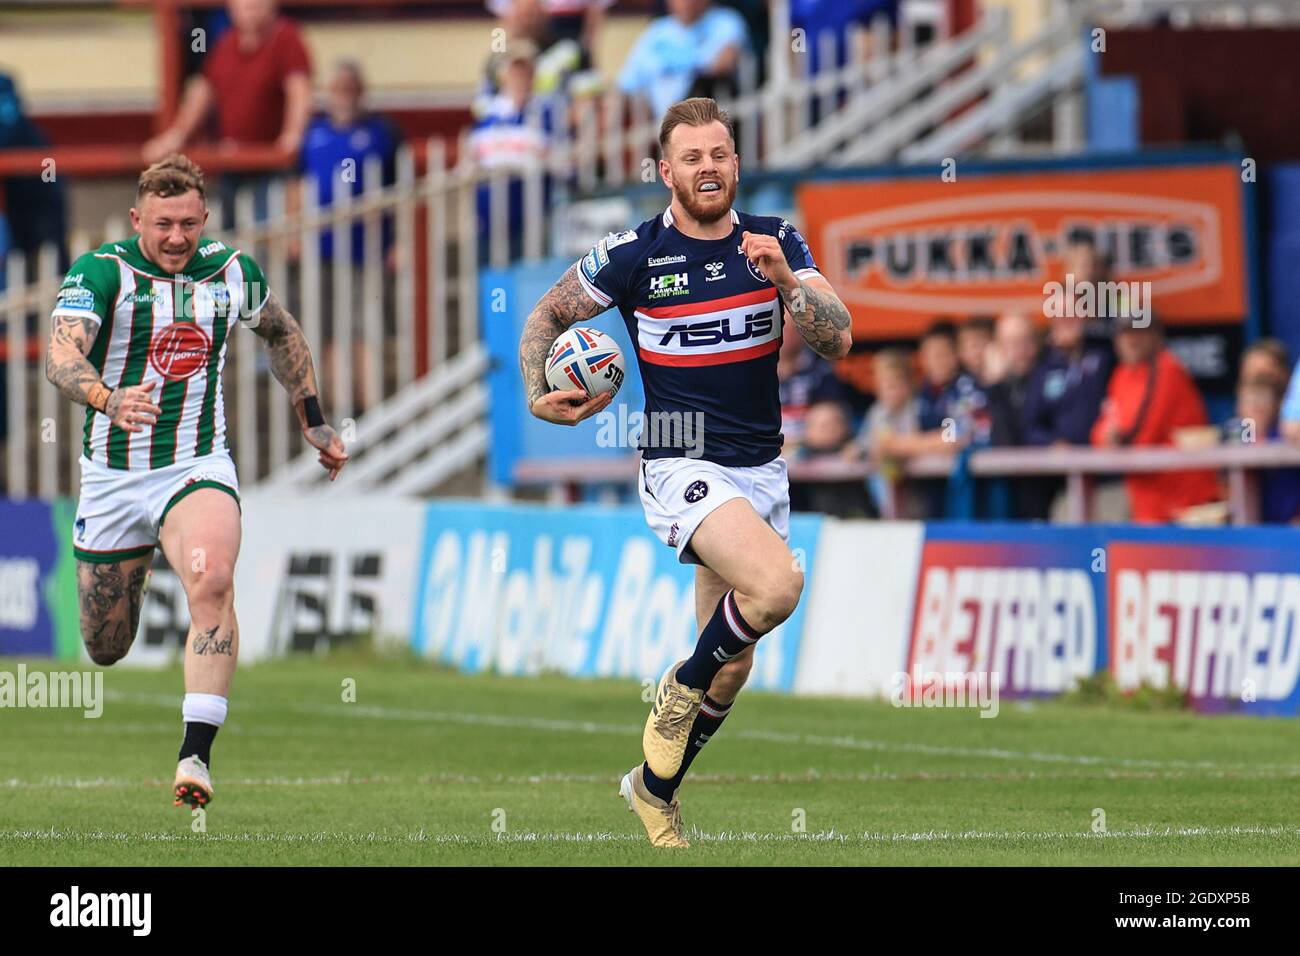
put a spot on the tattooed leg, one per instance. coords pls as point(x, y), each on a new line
point(201, 540)
point(110, 596)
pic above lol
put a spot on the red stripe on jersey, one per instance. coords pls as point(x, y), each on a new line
point(711, 358)
point(711, 306)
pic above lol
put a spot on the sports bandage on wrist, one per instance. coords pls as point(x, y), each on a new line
point(97, 397)
point(311, 413)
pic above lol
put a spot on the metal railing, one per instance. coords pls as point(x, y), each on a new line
point(371, 338)
point(379, 328)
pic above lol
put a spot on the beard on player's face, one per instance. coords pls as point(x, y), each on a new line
point(707, 195)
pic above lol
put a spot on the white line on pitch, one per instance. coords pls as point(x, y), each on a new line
point(841, 742)
point(352, 778)
point(828, 836)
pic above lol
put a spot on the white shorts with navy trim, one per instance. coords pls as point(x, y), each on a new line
point(679, 493)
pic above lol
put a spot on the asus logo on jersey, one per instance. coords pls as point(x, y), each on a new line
point(716, 331)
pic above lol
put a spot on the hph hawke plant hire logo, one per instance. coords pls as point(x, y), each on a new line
point(75, 690)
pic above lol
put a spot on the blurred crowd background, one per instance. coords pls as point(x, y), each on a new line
point(525, 107)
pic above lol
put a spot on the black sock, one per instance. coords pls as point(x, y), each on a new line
point(707, 722)
point(198, 741)
point(725, 636)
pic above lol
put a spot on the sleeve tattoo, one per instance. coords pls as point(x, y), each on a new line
point(821, 318)
point(288, 350)
point(564, 305)
point(66, 365)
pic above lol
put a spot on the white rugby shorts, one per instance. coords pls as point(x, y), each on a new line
point(679, 493)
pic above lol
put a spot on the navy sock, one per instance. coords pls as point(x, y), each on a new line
point(198, 741)
point(725, 636)
point(707, 722)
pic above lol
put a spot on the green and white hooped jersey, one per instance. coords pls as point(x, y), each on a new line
point(168, 328)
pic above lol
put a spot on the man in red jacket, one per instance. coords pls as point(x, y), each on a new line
point(1151, 396)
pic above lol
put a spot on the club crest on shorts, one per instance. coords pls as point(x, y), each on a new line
point(696, 491)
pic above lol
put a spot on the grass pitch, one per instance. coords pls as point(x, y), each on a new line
point(433, 767)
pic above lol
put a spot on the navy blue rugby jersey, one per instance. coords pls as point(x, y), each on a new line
point(707, 328)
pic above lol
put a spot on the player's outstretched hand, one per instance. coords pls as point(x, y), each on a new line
point(333, 456)
point(130, 408)
point(569, 407)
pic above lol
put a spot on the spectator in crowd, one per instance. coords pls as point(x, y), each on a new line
point(894, 415)
point(694, 51)
point(514, 135)
point(1259, 400)
point(1016, 345)
point(1016, 350)
point(563, 33)
point(836, 19)
point(952, 412)
point(336, 149)
point(1150, 396)
point(828, 434)
point(1290, 413)
point(258, 80)
point(1066, 390)
point(33, 216)
point(546, 22)
point(805, 378)
point(974, 340)
point(953, 406)
point(1086, 268)
point(35, 207)
point(1266, 359)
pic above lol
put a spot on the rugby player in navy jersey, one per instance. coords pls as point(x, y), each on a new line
point(702, 288)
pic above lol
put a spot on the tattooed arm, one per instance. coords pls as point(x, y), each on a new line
point(564, 305)
point(819, 315)
point(292, 367)
point(815, 309)
point(68, 369)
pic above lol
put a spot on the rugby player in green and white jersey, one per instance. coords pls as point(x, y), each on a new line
point(139, 336)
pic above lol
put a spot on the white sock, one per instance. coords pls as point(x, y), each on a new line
point(204, 709)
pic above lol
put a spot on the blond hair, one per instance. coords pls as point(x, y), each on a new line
point(697, 111)
point(893, 360)
point(173, 176)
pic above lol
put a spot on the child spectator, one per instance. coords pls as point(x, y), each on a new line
point(895, 414)
point(828, 434)
point(805, 378)
point(974, 339)
point(1259, 400)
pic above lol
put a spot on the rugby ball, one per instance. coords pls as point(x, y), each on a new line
point(585, 359)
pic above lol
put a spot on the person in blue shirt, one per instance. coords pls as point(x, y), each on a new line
point(695, 46)
point(513, 133)
point(335, 150)
point(337, 146)
point(818, 18)
point(1067, 387)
